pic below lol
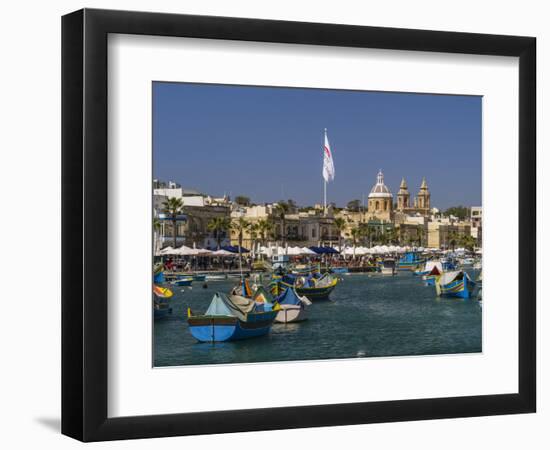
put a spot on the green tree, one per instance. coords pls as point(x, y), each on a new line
point(340, 225)
point(173, 207)
point(468, 241)
point(264, 228)
point(241, 225)
point(453, 238)
point(218, 225)
point(354, 205)
point(461, 212)
point(281, 210)
point(242, 200)
point(356, 233)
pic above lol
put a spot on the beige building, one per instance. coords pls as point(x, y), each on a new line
point(442, 233)
point(302, 229)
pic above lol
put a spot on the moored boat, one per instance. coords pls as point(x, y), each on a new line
point(454, 284)
point(292, 307)
point(410, 261)
point(183, 281)
point(158, 273)
point(162, 292)
point(161, 309)
point(230, 318)
point(215, 276)
point(387, 266)
point(433, 269)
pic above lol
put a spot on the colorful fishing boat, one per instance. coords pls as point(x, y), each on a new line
point(263, 299)
point(433, 269)
point(230, 318)
point(243, 289)
point(454, 284)
point(309, 286)
point(448, 264)
point(158, 273)
point(216, 276)
point(183, 281)
point(292, 307)
point(162, 292)
point(195, 276)
point(410, 261)
point(387, 266)
point(161, 309)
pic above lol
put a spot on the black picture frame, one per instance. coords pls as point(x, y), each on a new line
point(84, 224)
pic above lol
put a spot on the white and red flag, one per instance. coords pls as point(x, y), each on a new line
point(328, 163)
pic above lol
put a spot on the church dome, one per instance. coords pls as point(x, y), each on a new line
point(380, 190)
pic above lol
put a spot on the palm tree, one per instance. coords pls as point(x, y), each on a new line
point(453, 239)
point(468, 242)
point(253, 231)
point(218, 225)
point(173, 207)
point(356, 233)
point(340, 225)
point(281, 209)
point(419, 232)
point(240, 226)
point(264, 228)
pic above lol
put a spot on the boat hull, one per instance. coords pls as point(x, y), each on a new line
point(158, 278)
point(462, 288)
point(316, 294)
point(429, 280)
point(291, 313)
point(183, 282)
point(227, 328)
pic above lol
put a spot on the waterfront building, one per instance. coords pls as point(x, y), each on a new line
point(446, 233)
point(192, 224)
point(298, 228)
point(476, 219)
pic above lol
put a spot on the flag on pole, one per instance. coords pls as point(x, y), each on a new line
point(328, 163)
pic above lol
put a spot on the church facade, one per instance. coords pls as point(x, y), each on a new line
point(381, 205)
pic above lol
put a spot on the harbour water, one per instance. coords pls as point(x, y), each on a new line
point(368, 315)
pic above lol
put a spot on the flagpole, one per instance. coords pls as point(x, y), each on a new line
point(325, 196)
point(325, 187)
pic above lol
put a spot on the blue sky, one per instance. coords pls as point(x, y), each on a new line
point(266, 143)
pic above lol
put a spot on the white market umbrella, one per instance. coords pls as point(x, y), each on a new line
point(168, 251)
point(221, 252)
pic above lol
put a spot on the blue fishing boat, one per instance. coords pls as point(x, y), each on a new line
point(183, 281)
point(455, 284)
point(230, 318)
point(158, 273)
point(410, 261)
point(448, 264)
point(340, 270)
point(194, 276)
